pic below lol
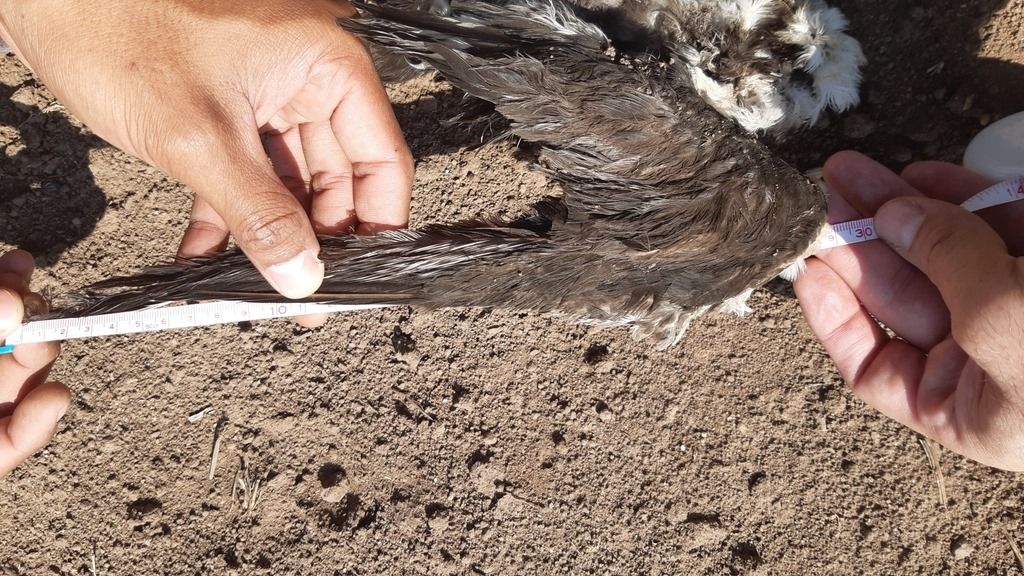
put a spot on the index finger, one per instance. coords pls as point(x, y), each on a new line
point(891, 289)
point(382, 168)
point(955, 184)
point(18, 262)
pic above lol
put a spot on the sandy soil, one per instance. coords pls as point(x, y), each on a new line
point(468, 441)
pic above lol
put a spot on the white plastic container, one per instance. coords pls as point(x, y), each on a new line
point(998, 150)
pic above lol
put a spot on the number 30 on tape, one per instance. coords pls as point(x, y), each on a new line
point(857, 231)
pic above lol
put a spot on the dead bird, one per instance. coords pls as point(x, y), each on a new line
point(670, 209)
point(771, 65)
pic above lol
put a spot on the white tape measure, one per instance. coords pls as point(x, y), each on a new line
point(166, 318)
point(857, 231)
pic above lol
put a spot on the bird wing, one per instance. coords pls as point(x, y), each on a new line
point(641, 156)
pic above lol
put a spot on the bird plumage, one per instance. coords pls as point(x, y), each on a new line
point(771, 65)
point(669, 209)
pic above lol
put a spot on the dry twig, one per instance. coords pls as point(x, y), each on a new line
point(218, 430)
point(248, 486)
point(1016, 549)
point(197, 415)
point(933, 453)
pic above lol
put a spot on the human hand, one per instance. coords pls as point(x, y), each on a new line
point(189, 85)
point(948, 283)
point(29, 406)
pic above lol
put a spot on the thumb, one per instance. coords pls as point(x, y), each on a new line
point(230, 171)
point(966, 260)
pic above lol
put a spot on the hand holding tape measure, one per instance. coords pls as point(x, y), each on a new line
point(927, 327)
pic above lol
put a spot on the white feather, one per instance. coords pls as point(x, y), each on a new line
point(752, 13)
point(737, 304)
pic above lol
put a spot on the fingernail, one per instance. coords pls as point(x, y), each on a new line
point(898, 222)
point(298, 277)
point(10, 312)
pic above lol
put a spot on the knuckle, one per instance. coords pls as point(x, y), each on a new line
point(399, 162)
point(325, 181)
point(204, 226)
point(271, 231)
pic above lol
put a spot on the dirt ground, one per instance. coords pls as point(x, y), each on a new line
point(503, 443)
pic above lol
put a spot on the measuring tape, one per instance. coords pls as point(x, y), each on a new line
point(857, 231)
point(167, 318)
point(227, 312)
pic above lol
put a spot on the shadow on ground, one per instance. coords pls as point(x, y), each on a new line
point(49, 200)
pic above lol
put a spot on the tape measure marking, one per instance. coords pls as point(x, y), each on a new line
point(166, 318)
point(863, 230)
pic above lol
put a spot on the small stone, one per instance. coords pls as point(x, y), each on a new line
point(335, 494)
point(901, 154)
point(284, 359)
point(24, 99)
point(858, 126)
point(604, 412)
point(428, 105)
point(961, 548)
point(411, 359)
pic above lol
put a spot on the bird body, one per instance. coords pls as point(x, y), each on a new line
point(670, 208)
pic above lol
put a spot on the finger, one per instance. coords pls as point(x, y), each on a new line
point(286, 155)
point(850, 336)
point(333, 209)
point(955, 184)
point(206, 233)
point(17, 301)
point(881, 371)
point(24, 369)
point(32, 424)
point(382, 166)
point(891, 289)
point(18, 262)
point(937, 394)
point(969, 263)
point(290, 165)
point(944, 181)
point(865, 184)
point(941, 395)
point(229, 169)
point(12, 311)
